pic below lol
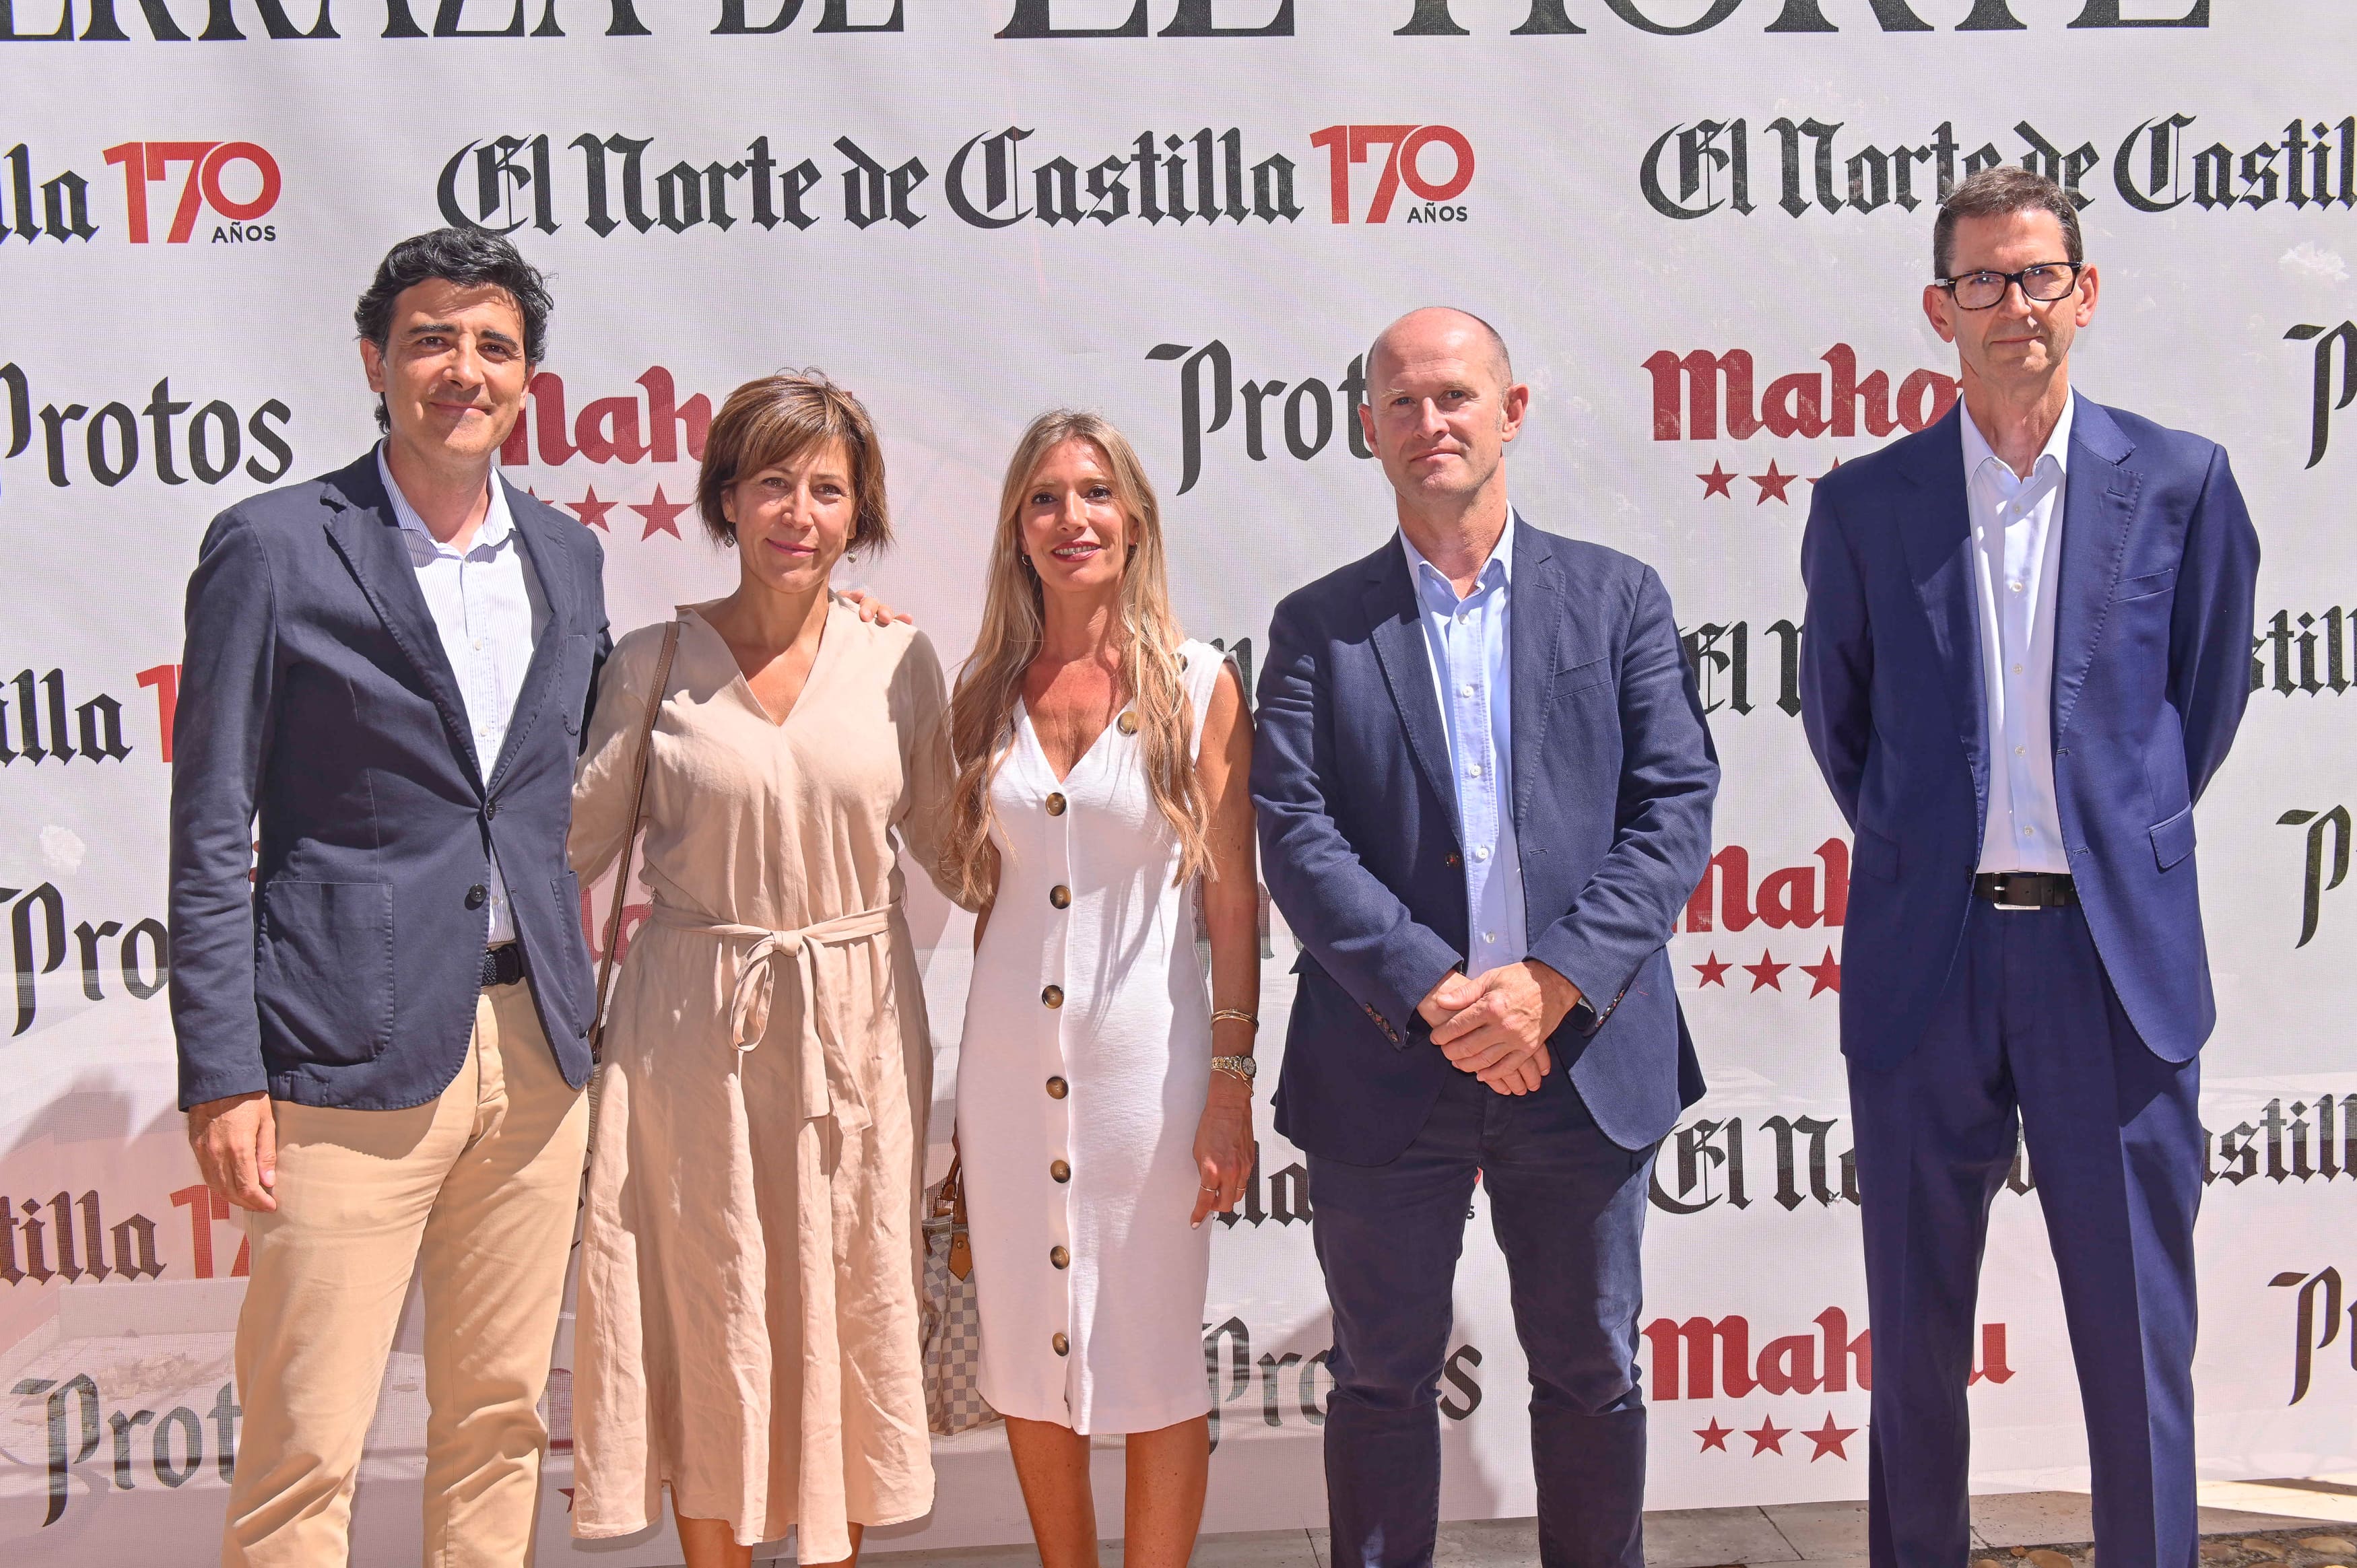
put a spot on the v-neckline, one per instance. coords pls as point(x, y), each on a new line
point(1031, 732)
point(744, 682)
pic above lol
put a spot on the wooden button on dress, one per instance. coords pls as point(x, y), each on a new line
point(1126, 724)
point(1061, 1256)
point(1063, 1344)
point(1052, 996)
point(1060, 896)
point(1060, 1170)
point(1058, 1088)
point(1055, 804)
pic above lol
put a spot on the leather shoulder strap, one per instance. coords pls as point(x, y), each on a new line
point(631, 841)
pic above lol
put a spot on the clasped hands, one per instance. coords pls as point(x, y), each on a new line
point(1495, 1025)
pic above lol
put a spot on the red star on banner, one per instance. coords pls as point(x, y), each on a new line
point(591, 511)
point(568, 1498)
point(1828, 473)
point(1773, 483)
point(659, 515)
point(1712, 971)
point(1714, 1435)
point(1829, 1439)
point(1825, 971)
point(1718, 481)
point(1767, 972)
point(1768, 1437)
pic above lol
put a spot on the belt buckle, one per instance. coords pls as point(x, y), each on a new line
point(2006, 897)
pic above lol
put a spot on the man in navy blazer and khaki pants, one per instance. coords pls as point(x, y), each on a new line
point(2027, 650)
point(384, 1032)
point(1484, 787)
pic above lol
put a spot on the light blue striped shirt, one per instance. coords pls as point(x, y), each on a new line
point(489, 611)
point(1472, 669)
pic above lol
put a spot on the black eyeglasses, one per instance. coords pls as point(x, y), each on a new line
point(2045, 283)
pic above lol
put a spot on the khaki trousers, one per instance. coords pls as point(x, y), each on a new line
point(475, 1191)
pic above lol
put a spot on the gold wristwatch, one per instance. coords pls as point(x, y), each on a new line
point(1235, 1066)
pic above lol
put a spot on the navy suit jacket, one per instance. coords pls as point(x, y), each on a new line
point(2152, 666)
point(1613, 778)
point(314, 694)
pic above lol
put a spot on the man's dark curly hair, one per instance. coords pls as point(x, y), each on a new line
point(464, 256)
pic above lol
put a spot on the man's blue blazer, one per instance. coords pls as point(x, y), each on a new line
point(2152, 667)
point(315, 697)
point(1613, 778)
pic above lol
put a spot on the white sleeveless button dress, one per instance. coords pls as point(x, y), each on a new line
point(1081, 1084)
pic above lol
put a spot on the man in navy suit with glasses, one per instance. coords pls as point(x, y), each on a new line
point(2027, 649)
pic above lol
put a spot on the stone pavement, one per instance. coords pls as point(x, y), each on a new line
point(2247, 1524)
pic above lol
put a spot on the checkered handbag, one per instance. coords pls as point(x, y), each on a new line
point(951, 1317)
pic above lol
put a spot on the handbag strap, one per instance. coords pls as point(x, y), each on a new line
point(951, 1200)
point(631, 841)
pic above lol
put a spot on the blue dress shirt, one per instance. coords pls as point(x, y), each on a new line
point(1473, 670)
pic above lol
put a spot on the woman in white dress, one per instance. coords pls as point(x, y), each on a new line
point(1104, 1095)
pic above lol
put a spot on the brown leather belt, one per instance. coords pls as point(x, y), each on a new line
point(2025, 889)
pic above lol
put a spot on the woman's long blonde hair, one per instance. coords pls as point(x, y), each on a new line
point(982, 722)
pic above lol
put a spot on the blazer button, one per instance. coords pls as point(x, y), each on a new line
point(1126, 724)
point(1059, 1256)
point(491, 808)
point(476, 896)
point(1063, 1344)
point(1060, 896)
point(1456, 860)
point(1057, 1090)
point(1060, 1170)
point(1050, 996)
point(1055, 804)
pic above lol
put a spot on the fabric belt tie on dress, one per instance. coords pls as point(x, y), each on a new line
point(829, 1086)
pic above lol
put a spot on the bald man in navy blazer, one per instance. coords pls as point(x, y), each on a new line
point(1485, 787)
point(2027, 650)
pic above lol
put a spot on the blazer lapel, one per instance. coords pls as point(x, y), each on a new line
point(1398, 636)
point(1937, 535)
point(361, 527)
point(1534, 618)
point(2098, 504)
point(535, 530)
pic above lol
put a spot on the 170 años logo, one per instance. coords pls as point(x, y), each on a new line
point(236, 182)
point(991, 181)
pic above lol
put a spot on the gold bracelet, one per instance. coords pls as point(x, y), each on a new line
point(1239, 1017)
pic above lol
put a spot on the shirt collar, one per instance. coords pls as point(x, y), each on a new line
point(1978, 453)
point(497, 523)
point(1424, 574)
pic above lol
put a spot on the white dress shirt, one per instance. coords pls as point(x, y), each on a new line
point(1473, 670)
point(2018, 559)
point(489, 610)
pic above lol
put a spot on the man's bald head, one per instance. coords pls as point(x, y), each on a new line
point(1443, 328)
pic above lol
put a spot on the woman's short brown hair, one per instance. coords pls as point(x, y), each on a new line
point(774, 423)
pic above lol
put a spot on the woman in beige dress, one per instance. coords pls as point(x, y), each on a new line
point(748, 1320)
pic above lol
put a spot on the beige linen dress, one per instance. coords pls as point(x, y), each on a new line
point(750, 1250)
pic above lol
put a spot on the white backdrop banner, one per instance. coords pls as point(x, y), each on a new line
point(1703, 225)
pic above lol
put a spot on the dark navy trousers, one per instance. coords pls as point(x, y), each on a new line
point(2030, 1036)
point(1568, 1208)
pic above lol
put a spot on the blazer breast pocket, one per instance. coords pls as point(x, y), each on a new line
point(2145, 586)
point(1583, 678)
